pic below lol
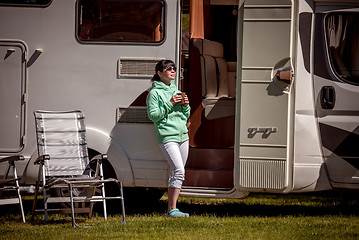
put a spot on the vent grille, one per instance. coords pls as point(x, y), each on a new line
point(137, 67)
point(133, 115)
point(268, 174)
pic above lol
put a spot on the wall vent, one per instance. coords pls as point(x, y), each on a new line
point(136, 68)
point(132, 115)
point(262, 174)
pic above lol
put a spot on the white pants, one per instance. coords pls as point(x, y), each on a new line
point(176, 154)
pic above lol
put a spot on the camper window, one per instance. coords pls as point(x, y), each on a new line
point(342, 30)
point(128, 21)
point(25, 2)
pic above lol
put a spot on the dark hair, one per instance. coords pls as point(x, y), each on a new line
point(160, 66)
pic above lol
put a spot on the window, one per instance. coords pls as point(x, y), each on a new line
point(25, 2)
point(342, 31)
point(131, 21)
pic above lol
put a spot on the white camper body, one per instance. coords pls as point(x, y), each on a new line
point(274, 97)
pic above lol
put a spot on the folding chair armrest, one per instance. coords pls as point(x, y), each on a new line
point(103, 157)
point(100, 158)
point(12, 159)
point(41, 159)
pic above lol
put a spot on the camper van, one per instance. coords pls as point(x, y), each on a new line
point(273, 87)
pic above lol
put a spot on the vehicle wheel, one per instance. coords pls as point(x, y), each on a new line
point(132, 195)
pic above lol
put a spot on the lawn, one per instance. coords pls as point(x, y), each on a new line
point(260, 216)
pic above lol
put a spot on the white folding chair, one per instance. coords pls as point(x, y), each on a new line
point(64, 163)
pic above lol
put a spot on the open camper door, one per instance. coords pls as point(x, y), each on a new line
point(264, 89)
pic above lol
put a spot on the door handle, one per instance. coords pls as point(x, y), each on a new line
point(327, 97)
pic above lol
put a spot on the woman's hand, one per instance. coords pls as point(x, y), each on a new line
point(180, 98)
point(185, 100)
point(176, 99)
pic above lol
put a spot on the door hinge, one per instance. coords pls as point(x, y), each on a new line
point(24, 98)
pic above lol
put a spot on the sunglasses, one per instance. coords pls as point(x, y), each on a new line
point(170, 68)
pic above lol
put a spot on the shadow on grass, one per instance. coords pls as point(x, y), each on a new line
point(242, 209)
point(270, 205)
point(311, 204)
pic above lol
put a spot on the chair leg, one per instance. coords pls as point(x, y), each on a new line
point(99, 170)
point(92, 203)
point(35, 200)
point(72, 206)
point(45, 204)
point(19, 194)
point(21, 206)
point(104, 201)
point(40, 174)
point(122, 204)
point(20, 202)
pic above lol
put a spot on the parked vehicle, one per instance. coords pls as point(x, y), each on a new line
point(273, 86)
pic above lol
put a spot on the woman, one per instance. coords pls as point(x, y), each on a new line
point(169, 110)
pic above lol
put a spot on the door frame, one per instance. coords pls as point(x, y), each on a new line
point(288, 179)
point(24, 85)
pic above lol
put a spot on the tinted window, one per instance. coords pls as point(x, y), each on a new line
point(26, 2)
point(139, 21)
point(343, 43)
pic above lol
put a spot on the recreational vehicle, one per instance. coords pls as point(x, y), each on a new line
point(273, 87)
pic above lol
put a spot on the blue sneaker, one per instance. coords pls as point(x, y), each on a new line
point(176, 213)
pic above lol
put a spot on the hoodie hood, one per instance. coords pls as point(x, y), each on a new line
point(164, 87)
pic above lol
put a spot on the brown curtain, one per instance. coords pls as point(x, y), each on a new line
point(196, 19)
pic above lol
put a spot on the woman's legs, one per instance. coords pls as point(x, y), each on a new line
point(176, 155)
point(173, 194)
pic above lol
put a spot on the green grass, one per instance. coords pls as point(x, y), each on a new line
point(260, 216)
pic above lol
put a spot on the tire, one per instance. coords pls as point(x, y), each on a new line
point(132, 195)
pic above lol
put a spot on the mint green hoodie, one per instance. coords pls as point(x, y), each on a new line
point(170, 120)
